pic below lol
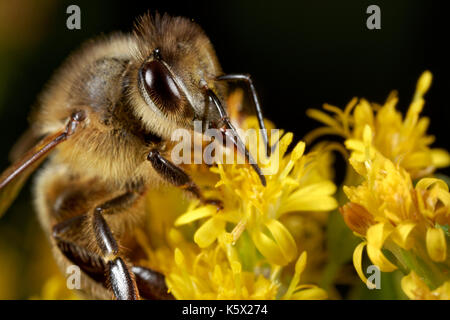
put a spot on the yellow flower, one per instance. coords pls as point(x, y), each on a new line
point(243, 251)
point(403, 141)
point(416, 289)
point(302, 292)
point(296, 185)
point(215, 273)
point(390, 213)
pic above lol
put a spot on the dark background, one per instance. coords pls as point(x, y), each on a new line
point(301, 54)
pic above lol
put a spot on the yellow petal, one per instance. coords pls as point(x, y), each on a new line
point(208, 232)
point(413, 286)
point(363, 114)
point(443, 292)
point(402, 233)
point(350, 106)
point(353, 144)
point(199, 213)
point(444, 196)
point(367, 135)
point(423, 84)
point(175, 237)
point(412, 115)
point(269, 248)
point(283, 238)
point(378, 258)
point(317, 189)
point(310, 294)
point(440, 158)
point(323, 117)
point(284, 143)
point(298, 151)
point(376, 235)
point(333, 109)
point(425, 183)
point(322, 131)
point(236, 267)
point(315, 197)
point(417, 159)
point(300, 265)
point(179, 257)
point(217, 274)
point(436, 244)
point(323, 203)
point(357, 262)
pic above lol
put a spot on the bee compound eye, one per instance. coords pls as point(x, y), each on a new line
point(160, 86)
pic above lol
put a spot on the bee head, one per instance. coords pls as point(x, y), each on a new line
point(176, 74)
point(175, 69)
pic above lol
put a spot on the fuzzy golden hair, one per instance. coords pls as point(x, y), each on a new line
point(108, 142)
point(111, 147)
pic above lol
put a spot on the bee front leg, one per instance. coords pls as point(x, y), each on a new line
point(176, 176)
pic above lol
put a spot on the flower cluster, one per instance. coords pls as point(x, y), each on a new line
point(390, 213)
point(403, 141)
point(271, 242)
point(385, 208)
point(246, 250)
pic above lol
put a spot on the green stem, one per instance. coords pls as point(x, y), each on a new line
point(329, 274)
point(419, 262)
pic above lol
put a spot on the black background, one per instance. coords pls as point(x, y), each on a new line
point(301, 54)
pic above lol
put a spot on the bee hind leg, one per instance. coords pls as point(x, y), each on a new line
point(104, 263)
point(127, 283)
point(91, 263)
point(108, 267)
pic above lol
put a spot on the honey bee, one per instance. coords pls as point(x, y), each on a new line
point(105, 120)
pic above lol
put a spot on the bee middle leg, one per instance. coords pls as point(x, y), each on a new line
point(176, 176)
